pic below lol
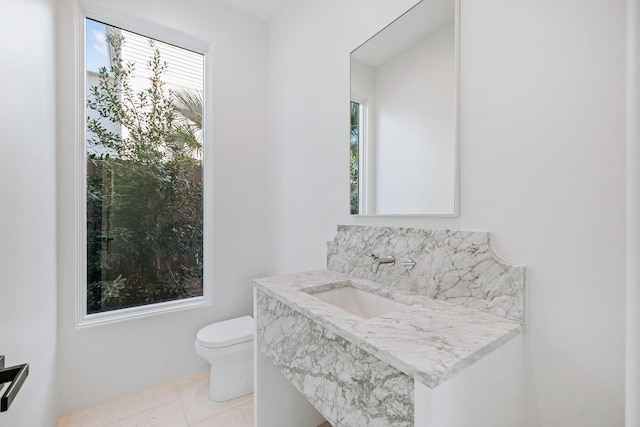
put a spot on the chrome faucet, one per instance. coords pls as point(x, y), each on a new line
point(377, 260)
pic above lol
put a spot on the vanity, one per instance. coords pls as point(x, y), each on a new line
point(432, 338)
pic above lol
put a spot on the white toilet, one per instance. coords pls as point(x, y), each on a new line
point(228, 347)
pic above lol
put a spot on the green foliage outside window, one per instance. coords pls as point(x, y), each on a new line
point(144, 192)
point(354, 157)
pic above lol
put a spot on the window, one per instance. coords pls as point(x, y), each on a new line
point(354, 158)
point(358, 156)
point(144, 105)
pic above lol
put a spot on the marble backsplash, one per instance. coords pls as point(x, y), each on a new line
point(457, 266)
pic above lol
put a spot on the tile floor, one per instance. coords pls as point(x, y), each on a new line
point(181, 403)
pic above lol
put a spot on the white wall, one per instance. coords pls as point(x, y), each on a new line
point(542, 168)
point(363, 82)
point(99, 363)
point(415, 164)
point(632, 373)
point(27, 215)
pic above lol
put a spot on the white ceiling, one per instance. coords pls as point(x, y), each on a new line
point(262, 9)
point(414, 25)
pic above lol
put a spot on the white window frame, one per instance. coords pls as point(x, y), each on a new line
point(364, 153)
point(176, 38)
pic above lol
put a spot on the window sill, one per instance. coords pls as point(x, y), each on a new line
point(114, 316)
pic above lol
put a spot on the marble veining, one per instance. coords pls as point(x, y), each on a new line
point(348, 386)
point(455, 266)
point(429, 341)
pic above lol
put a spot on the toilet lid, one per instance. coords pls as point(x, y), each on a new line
point(226, 333)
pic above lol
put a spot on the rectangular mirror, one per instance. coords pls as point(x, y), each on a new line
point(404, 115)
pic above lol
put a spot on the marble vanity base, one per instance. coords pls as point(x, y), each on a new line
point(277, 403)
point(489, 393)
point(348, 386)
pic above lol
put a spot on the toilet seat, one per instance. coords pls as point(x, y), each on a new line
point(226, 333)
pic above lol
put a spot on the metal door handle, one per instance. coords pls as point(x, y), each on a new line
point(15, 376)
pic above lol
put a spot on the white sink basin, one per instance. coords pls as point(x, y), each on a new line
point(357, 301)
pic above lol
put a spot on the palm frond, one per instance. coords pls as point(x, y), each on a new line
point(188, 103)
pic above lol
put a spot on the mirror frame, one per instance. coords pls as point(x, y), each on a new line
point(456, 119)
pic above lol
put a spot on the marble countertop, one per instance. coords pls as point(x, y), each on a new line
point(430, 340)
